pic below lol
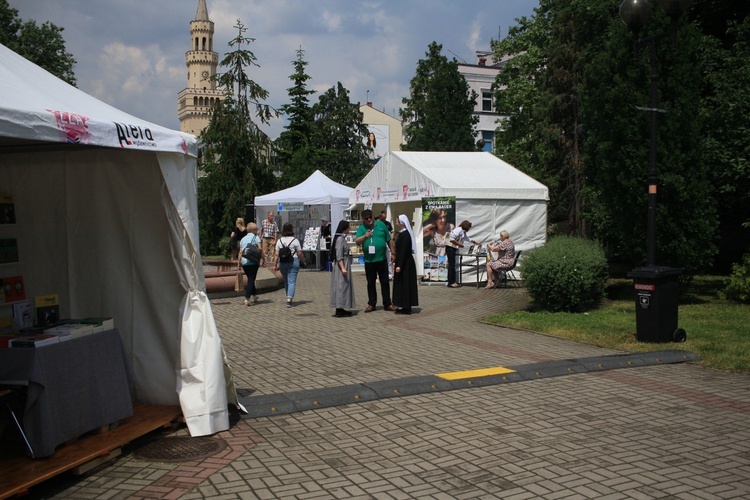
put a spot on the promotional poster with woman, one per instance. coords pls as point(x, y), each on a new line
point(439, 219)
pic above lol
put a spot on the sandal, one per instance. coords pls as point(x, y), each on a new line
point(455, 285)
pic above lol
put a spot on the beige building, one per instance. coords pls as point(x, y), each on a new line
point(195, 101)
point(480, 77)
point(388, 131)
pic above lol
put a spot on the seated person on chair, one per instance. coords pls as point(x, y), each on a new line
point(505, 258)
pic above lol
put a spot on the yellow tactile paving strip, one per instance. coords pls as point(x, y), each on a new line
point(481, 372)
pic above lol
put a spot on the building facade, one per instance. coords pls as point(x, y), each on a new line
point(388, 131)
point(194, 102)
point(480, 77)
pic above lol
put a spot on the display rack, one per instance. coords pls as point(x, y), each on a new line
point(14, 302)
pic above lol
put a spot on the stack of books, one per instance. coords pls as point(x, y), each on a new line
point(6, 338)
point(74, 328)
point(99, 324)
point(34, 340)
point(67, 331)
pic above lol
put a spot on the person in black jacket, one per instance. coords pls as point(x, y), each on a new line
point(325, 233)
point(405, 293)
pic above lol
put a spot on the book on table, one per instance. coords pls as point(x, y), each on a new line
point(6, 338)
point(34, 341)
point(100, 324)
point(68, 331)
point(47, 309)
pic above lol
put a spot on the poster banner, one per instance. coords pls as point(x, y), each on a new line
point(439, 219)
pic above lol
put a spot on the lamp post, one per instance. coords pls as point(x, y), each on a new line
point(655, 287)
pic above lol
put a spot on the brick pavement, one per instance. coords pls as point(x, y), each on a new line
point(668, 431)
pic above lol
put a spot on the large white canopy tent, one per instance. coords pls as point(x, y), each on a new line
point(489, 192)
point(106, 209)
point(317, 189)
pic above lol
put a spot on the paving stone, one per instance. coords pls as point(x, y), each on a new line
point(633, 428)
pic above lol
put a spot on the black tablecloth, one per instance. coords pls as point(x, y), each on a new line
point(74, 387)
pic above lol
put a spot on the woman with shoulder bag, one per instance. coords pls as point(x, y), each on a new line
point(249, 266)
point(289, 258)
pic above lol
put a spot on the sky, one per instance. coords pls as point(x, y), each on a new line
point(131, 53)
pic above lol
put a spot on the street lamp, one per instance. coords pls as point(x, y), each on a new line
point(655, 287)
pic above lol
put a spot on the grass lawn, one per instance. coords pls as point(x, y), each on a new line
point(717, 330)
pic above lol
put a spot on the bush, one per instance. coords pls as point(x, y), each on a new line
point(567, 274)
point(738, 288)
point(225, 247)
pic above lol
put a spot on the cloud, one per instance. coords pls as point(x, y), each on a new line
point(131, 54)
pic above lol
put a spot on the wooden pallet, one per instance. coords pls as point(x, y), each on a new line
point(19, 473)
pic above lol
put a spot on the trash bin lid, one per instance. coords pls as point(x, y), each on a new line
point(655, 272)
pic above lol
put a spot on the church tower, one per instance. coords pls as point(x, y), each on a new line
point(195, 101)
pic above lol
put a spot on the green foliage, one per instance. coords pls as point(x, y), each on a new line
point(439, 112)
point(235, 167)
point(724, 110)
point(225, 247)
point(294, 147)
point(41, 44)
point(738, 288)
point(616, 151)
point(567, 274)
point(538, 92)
point(339, 141)
point(570, 94)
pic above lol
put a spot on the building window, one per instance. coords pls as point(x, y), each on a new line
point(486, 100)
point(488, 136)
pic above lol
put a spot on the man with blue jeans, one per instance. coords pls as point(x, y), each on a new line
point(373, 236)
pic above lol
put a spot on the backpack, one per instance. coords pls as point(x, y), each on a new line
point(285, 253)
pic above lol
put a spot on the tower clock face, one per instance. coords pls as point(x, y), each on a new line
point(205, 74)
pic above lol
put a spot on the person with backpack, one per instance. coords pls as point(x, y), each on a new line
point(289, 258)
point(250, 261)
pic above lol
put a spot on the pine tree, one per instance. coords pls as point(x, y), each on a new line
point(295, 153)
point(340, 140)
point(439, 112)
point(235, 156)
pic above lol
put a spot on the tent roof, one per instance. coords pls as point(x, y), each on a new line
point(315, 190)
point(463, 175)
point(37, 106)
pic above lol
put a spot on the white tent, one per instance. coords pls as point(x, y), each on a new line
point(106, 211)
point(489, 192)
point(315, 190)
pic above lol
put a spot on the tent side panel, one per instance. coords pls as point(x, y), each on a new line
point(94, 221)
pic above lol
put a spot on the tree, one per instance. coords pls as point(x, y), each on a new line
point(295, 152)
point(617, 148)
point(439, 112)
point(43, 45)
point(235, 156)
point(339, 140)
point(571, 94)
point(725, 110)
point(538, 94)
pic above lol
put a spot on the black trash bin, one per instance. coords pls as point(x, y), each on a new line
point(656, 290)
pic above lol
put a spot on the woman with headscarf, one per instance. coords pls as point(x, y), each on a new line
point(342, 290)
point(405, 294)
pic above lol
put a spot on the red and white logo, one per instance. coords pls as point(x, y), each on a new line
point(73, 125)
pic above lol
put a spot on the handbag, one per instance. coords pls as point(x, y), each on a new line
point(252, 253)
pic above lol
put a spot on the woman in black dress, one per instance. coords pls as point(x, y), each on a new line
point(405, 294)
